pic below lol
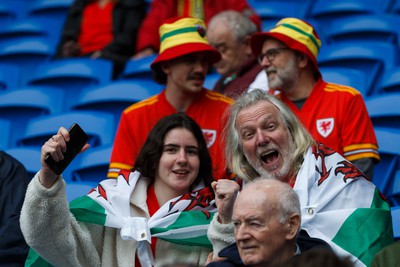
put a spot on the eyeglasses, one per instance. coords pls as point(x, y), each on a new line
point(271, 54)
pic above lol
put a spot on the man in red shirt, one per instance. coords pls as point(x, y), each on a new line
point(148, 39)
point(182, 65)
point(334, 114)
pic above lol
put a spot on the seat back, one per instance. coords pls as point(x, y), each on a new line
point(370, 57)
point(99, 127)
point(28, 156)
point(93, 165)
point(73, 75)
point(21, 105)
point(384, 110)
point(389, 166)
point(115, 96)
point(139, 68)
point(75, 190)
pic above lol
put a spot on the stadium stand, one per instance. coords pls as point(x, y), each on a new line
point(5, 132)
point(138, 68)
point(372, 58)
point(75, 190)
point(99, 127)
point(390, 81)
point(9, 76)
point(20, 105)
point(115, 96)
point(377, 28)
point(384, 110)
point(396, 222)
point(28, 156)
point(92, 165)
point(73, 75)
point(388, 168)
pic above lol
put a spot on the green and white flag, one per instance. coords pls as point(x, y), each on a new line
point(342, 207)
point(183, 220)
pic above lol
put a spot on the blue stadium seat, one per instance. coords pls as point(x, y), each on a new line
point(28, 156)
point(139, 68)
point(31, 27)
point(27, 53)
point(396, 221)
point(372, 58)
point(390, 81)
point(73, 75)
point(211, 80)
point(75, 189)
point(92, 165)
point(272, 11)
point(5, 133)
point(377, 27)
point(9, 77)
point(56, 9)
point(20, 105)
point(384, 110)
point(389, 166)
point(99, 126)
point(11, 10)
point(350, 77)
point(325, 11)
point(115, 96)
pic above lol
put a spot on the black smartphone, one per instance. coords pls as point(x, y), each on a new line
point(77, 139)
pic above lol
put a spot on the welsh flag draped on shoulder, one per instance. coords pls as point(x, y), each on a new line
point(342, 207)
point(183, 220)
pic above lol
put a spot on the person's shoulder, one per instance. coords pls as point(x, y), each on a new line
point(143, 105)
point(306, 242)
point(341, 90)
point(215, 96)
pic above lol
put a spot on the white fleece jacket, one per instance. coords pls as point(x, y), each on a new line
point(52, 231)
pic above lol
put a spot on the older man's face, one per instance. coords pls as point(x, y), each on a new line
point(265, 140)
point(260, 236)
point(234, 53)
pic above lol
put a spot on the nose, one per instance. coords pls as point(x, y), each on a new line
point(241, 233)
point(201, 65)
point(182, 157)
point(262, 137)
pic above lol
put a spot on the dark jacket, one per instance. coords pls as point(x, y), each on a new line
point(127, 18)
point(14, 181)
point(231, 253)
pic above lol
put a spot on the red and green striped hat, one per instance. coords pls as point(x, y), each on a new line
point(295, 33)
point(181, 36)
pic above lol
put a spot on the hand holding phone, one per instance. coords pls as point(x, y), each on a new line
point(77, 139)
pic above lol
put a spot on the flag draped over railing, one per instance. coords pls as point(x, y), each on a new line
point(182, 220)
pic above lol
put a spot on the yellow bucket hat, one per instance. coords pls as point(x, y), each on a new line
point(295, 33)
point(181, 36)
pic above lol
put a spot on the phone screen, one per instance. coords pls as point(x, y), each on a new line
point(78, 139)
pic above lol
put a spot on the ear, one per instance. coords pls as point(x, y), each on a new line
point(165, 67)
point(302, 60)
point(293, 226)
point(247, 45)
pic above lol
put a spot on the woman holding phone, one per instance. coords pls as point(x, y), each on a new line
point(173, 162)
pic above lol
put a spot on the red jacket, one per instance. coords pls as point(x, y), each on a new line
point(160, 10)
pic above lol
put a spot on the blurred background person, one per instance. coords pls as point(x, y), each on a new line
point(230, 32)
point(148, 39)
point(102, 29)
point(14, 181)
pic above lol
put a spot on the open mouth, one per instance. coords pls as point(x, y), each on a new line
point(269, 157)
point(181, 172)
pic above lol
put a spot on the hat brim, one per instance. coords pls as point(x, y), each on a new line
point(258, 39)
point(177, 51)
